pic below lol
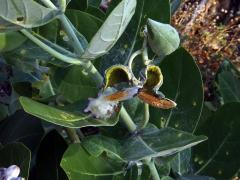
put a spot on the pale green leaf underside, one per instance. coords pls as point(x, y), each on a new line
point(156, 142)
point(24, 13)
point(111, 30)
point(66, 118)
point(152, 142)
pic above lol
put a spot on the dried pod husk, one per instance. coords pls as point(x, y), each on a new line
point(162, 38)
point(153, 99)
point(154, 78)
point(117, 74)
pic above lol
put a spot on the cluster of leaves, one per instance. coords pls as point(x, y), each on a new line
point(52, 90)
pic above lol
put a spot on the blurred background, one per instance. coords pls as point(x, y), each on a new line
point(210, 31)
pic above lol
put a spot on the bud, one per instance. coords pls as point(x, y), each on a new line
point(162, 38)
point(10, 173)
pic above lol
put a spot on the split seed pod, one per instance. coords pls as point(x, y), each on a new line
point(154, 78)
point(117, 74)
point(153, 99)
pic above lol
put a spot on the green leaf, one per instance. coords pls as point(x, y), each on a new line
point(49, 30)
point(26, 59)
point(85, 23)
point(111, 30)
point(131, 175)
point(152, 142)
point(74, 84)
point(156, 142)
point(44, 87)
point(77, 162)
point(72, 117)
point(163, 168)
point(222, 129)
point(229, 83)
point(95, 3)
point(10, 41)
point(96, 12)
point(78, 4)
point(16, 154)
point(181, 162)
point(162, 38)
point(96, 145)
point(25, 14)
point(182, 83)
point(6, 26)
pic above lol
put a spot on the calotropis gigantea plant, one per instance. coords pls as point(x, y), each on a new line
point(103, 99)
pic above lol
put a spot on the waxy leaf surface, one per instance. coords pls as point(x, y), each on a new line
point(111, 30)
point(72, 117)
point(17, 14)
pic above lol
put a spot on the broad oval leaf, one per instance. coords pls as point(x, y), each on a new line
point(72, 117)
point(219, 156)
point(154, 142)
point(16, 154)
point(73, 83)
point(24, 14)
point(77, 161)
point(111, 30)
point(151, 142)
point(183, 84)
point(85, 23)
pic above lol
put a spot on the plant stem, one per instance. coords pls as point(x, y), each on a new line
point(49, 4)
point(146, 116)
point(71, 34)
point(67, 27)
point(151, 165)
point(127, 120)
point(72, 134)
point(145, 52)
point(90, 69)
point(63, 5)
point(135, 54)
point(50, 50)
